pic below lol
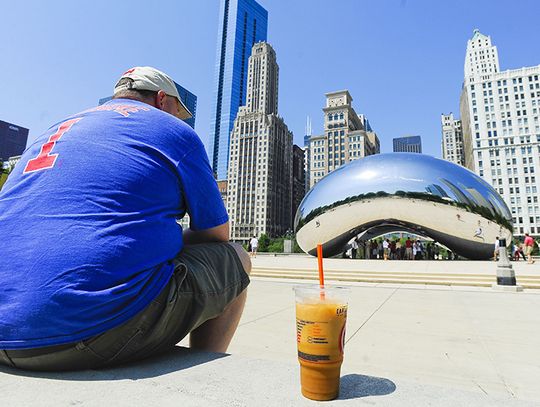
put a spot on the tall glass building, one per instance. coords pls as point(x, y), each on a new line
point(410, 144)
point(242, 24)
point(188, 98)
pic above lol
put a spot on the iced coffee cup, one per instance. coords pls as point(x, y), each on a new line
point(321, 314)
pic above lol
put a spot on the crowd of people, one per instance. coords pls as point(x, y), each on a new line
point(416, 249)
point(398, 249)
point(523, 250)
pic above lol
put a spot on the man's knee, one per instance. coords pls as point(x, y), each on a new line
point(243, 256)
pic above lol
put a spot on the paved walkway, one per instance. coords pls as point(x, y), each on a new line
point(406, 346)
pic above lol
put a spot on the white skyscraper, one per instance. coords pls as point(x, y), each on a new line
point(501, 129)
point(259, 182)
point(452, 139)
point(482, 58)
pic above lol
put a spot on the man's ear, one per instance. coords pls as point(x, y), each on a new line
point(160, 99)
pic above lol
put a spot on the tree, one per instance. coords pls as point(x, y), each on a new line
point(276, 245)
point(4, 172)
point(264, 242)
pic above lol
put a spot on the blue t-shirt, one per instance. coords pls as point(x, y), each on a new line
point(88, 221)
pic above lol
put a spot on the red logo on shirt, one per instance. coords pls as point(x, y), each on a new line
point(45, 159)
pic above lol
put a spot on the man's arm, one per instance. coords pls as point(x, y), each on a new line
point(216, 234)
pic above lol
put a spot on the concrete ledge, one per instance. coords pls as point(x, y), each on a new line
point(511, 288)
point(186, 378)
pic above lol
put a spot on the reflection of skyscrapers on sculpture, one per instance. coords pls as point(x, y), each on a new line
point(501, 129)
point(242, 24)
point(259, 183)
point(407, 192)
point(347, 137)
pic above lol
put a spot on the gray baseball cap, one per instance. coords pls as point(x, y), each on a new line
point(148, 78)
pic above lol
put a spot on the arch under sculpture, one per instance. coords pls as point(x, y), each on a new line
point(413, 193)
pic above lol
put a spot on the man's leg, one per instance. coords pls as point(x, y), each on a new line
point(215, 334)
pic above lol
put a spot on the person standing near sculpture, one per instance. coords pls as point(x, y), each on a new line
point(519, 251)
point(95, 269)
point(398, 249)
point(408, 249)
point(386, 249)
point(436, 251)
point(254, 245)
point(496, 249)
point(529, 246)
point(354, 248)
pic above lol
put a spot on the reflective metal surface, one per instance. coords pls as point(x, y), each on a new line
point(413, 193)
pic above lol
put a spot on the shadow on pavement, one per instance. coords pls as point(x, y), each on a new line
point(179, 358)
point(354, 386)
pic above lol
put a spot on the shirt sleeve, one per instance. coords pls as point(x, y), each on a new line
point(200, 191)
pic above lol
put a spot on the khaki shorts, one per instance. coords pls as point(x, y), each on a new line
point(528, 250)
point(207, 277)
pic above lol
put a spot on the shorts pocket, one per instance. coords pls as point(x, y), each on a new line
point(111, 345)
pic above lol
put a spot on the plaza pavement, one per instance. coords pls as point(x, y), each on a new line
point(406, 345)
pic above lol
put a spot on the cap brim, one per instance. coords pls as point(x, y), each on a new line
point(184, 111)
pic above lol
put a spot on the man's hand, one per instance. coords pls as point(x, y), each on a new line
point(218, 234)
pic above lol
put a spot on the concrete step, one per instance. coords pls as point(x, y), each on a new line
point(479, 280)
point(382, 273)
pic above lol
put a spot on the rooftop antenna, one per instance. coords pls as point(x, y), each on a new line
point(308, 126)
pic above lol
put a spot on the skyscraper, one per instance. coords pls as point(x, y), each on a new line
point(452, 139)
point(12, 140)
point(409, 144)
point(242, 24)
point(307, 164)
point(347, 137)
point(298, 179)
point(259, 183)
point(188, 98)
point(501, 129)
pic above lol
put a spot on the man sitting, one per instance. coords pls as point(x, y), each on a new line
point(95, 269)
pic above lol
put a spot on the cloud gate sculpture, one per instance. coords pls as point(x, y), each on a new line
point(407, 192)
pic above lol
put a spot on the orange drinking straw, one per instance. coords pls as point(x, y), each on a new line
point(321, 273)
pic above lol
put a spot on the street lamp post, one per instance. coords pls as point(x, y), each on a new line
point(506, 278)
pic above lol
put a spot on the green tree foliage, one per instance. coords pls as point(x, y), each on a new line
point(4, 172)
point(264, 242)
point(276, 245)
point(3, 179)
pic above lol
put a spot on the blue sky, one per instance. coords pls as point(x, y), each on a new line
point(401, 60)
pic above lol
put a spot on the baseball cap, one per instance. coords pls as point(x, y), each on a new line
point(148, 78)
